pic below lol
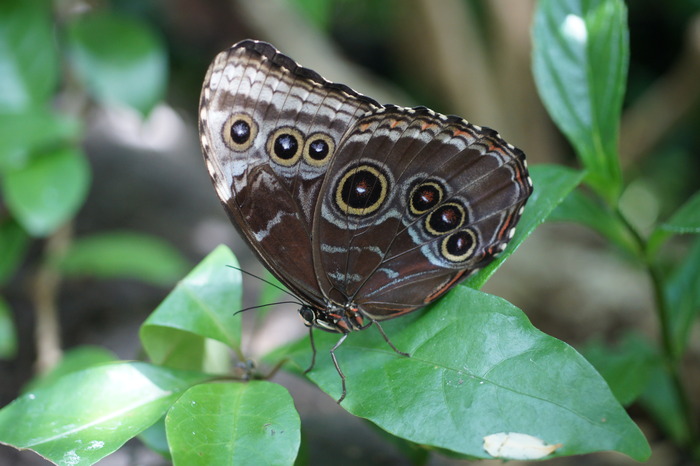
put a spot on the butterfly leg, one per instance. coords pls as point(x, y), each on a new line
point(386, 338)
point(337, 367)
point(313, 351)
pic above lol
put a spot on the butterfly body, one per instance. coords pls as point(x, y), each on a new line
point(364, 211)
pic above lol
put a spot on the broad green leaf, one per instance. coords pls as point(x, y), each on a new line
point(154, 438)
point(73, 360)
point(120, 60)
point(29, 67)
point(682, 294)
point(580, 56)
point(13, 244)
point(584, 209)
point(125, 255)
point(234, 423)
point(48, 191)
point(86, 415)
point(551, 184)
point(201, 306)
point(626, 367)
point(660, 399)
point(32, 130)
point(8, 334)
point(477, 367)
point(686, 219)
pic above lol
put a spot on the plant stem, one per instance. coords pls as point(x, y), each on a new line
point(45, 291)
point(672, 361)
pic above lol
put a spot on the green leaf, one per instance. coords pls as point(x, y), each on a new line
point(73, 360)
point(234, 423)
point(660, 399)
point(88, 414)
point(584, 209)
point(580, 56)
point(551, 184)
point(126, 255)
point(154, 438)
point(686, 219)
point(201, 306)
point(627, 367)
point(682, 294)
point(48, 191)
point(29, 67)
point(477, 367)
point(32, 130)
point(8, 334)
point(13, 245)
point(119, 59)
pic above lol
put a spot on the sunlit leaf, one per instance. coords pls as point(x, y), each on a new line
point(477, 367)
point(201, 307)
point(580, 57)
point(73, 360)
point(234, 423)
point(86, 415)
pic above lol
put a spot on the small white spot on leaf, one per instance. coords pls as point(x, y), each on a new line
point(70, 458)
point(95, 445)
point(516, 446)
point(575, 28)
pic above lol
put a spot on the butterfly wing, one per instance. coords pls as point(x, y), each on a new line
point(413, 203)
point(268, 131)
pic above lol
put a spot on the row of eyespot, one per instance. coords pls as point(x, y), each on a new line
point(356, 192)
point(286, 145)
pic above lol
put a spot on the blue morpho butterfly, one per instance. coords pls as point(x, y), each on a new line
point(364, 211)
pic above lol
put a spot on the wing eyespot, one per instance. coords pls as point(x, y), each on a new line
point(459, 246)
point(446, 218)
point(361, 190)
point(284, 146)
point(424, 196)
point(318, 149)
point(239, 132)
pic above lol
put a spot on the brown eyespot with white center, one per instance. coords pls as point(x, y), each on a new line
point(318, 149)
point(239, 132)
point(284, 146)
point(446, 218)
point(361, 190)
point(459, 246)
point(425, 196)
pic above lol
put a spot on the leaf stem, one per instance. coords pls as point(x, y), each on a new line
point(671, 359)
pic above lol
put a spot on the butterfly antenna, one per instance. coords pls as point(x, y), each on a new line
point(283, 290)
point(269, 304)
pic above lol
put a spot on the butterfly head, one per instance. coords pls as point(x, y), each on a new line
point(334, 318)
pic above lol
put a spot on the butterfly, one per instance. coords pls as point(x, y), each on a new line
point(364, 211)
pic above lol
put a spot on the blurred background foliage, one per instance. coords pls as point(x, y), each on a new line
point(105, 202)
